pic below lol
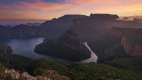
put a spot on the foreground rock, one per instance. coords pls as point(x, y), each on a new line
point(16, 75)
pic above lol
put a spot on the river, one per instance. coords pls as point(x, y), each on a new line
point(25, 47)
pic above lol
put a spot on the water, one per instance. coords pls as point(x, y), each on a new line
point(25, 47)
point(93, 57)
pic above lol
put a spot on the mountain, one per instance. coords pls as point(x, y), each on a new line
point(57, 27)
point(95, 29)
point(21, 31)
point(68, 47)
point(50, 29)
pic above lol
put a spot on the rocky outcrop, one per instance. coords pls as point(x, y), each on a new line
point(12, 74)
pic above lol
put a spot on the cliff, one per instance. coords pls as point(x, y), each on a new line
point(131, 40)
point(133, 45)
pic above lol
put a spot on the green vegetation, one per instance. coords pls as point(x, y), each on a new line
point(89, 71)
point(80, 71)
point(117, 69)
point(129, 63)
point(101, 72)
point(40, 67)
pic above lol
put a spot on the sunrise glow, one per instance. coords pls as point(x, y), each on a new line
point(47, 9)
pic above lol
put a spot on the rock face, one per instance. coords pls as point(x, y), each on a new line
point(130, 48)
point(132, 44)
point(131, 40)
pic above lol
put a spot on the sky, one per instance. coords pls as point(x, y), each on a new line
point(48, 9)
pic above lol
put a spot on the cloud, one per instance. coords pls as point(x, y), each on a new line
point(37, 9)
point(45, 9)
point(54, 1)
point(14, 2)
point(10, 2)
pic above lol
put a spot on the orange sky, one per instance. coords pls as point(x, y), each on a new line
point(47, 9)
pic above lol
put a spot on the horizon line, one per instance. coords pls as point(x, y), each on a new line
point(135, 16)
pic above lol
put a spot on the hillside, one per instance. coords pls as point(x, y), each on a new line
point(96, 29)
